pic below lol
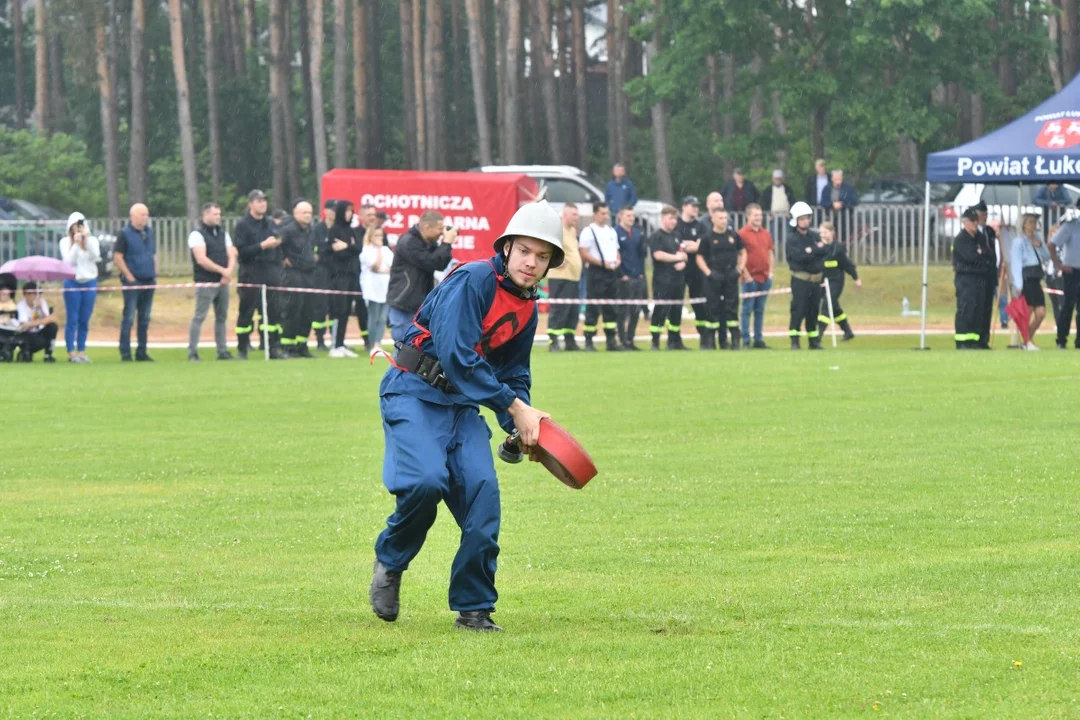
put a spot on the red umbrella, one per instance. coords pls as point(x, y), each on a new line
point(1019, 310)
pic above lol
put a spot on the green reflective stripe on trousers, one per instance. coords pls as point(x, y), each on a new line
point(967, 337)
point(301, 339)
point(825, 319)
point(701, 323)
point(273, 328)
point(793, 333)
point(610, 326)
point(288, 341)
point(841, 317)
point(244, 330)
point(320, 325)
point(712, 325)
point(733, 323)
point(589, 328)
point(673, 327)
point(657, 329)
point(812, 333)
point(363, 333)
point(832, 263)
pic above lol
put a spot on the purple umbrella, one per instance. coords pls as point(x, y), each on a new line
point(38, 267)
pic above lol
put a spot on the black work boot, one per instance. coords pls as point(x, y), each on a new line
point(571, 343)
point(302, 351)
point(705, 338)
point(243, 342)
point(815, 344)
point(795, 344)
point(384, 592)
point(553, 343)
point(613, 344)
point(721, 339)
point(479, 620)
point(655, 341)
point(674, 341)
point(821, 328)
point(589, 347)
point(846, 327)
point(736, 338)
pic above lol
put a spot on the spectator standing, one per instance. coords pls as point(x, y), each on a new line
point(669, 283)
point(320, 303)
point(722, 259)
point(258, 249)
point(837, 263)
point(1028, 262)
point(632, 284)
point(1053, 277)
point(739, 192)
point(690, 229)
point(975, 276)
point(620, 191)
point(81, 251)
point(213, 259)
point(299, 260)
point(420, 251)
point(758, 275)
point(777, 201)
point(988, 231)
point(37, 325)
point(816, 184)
point(806, 258)
point(1065, 254)
point(841, 199)
point(599, 250)
point(345, 277)
point(135, 256)
point(375, 261)
point(563, 285)
point(1052, 198)
point(380, 220)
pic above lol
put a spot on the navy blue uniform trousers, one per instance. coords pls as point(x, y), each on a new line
point(441, 453)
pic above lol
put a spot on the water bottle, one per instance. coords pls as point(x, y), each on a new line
point(906, 309)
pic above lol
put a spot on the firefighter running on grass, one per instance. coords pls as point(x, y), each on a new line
point(468, 346)
point(806, 258)
point(722, 260)
point(837, 263)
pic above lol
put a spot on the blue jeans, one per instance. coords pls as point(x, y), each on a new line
point(441, 453)
point(79, 306)
point(376, 318)
point(399, 323)
point(140, 301)
point(1003, 300)
point(755, 305)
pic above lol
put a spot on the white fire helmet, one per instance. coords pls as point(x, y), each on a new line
point(798, 210)
point(536, 220)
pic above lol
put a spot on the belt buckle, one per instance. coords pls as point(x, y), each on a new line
point(441, 383)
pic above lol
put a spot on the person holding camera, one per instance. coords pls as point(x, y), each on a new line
point(421, 251)
point(722, 260)
point(81, 251)
point(258, 248)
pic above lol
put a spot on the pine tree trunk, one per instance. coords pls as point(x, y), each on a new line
point(478, 68)
point(908, 156)
point(514, 45)
point(341, 100)
point(41, 67)
point(817, 132)
point(360, 52)
point(235, 40)
point(757, 100)
point(422, 129)
point(292, 147)
point(251, 32)
point(214, 127)
point(277, 101)
point(435, 87)
point(1007, 59)
point(546, 71)
point(137, 134)
point(408, 75)
point(456, 102)
point(712, 66)
point(20, 71)
point(581, 102)
point(727, 67)
point(318, 112)
point(622, 103)
point(187, 141)
point(977, 117)
point(664, 186)
point(108, 123)
point(500, 80)
point(376, 147)
point(566, 79)
point(57, 95)
point(1069, 31)
point(1054, 51)
point(304, 42)
point(612, 82)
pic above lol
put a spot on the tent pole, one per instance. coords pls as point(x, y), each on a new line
point(925, 265)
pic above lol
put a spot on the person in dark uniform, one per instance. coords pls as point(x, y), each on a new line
point(669, 265)
point(806, 258)
point(974, 266)
point(689, 230)
point(722, 260)
point(259, 248)
point(344, 249)
point(632, 284)
point(837, 263)
point(298, 250)
point(320, 304)
point(992, 275)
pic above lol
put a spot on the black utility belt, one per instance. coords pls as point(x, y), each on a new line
point(425, 367)
point(807, 277)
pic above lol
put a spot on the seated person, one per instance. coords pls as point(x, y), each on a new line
point(37, 325)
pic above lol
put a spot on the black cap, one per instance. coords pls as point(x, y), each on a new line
point(981, 206)
point(382, 215)
point(329, 204)
point(279, 214)
point(256, 195)
point(971, 214)
point(691, 200)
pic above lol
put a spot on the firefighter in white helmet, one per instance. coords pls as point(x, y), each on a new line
point(806, 257)
point(468, 346)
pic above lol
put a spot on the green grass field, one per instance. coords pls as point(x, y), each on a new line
point(864, 532)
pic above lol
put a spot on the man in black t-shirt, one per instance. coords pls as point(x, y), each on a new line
point(722, 260)
point(669, 264)
point(689, 230)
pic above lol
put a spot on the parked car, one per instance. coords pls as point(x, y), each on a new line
point(893, 206)
point(563, 184)
point(1001, 202)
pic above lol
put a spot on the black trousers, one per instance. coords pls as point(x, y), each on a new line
point(1071, 288)
point(836, 289)
point(602, 286)
point(343, 307)
point(698, 286)
point(723, 293)
point(251, 304)
point(1056, 301)
point(631, 289)
point(320, 304)
point(43, 339)
point(987, 318)
point(296, 308)
point(971, 309)
point(667, 317)
point(563, 319)
point(805, 302)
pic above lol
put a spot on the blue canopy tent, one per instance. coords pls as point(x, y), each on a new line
point(1039, 147)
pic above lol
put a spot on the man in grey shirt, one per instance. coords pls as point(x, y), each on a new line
point(1065, 254)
